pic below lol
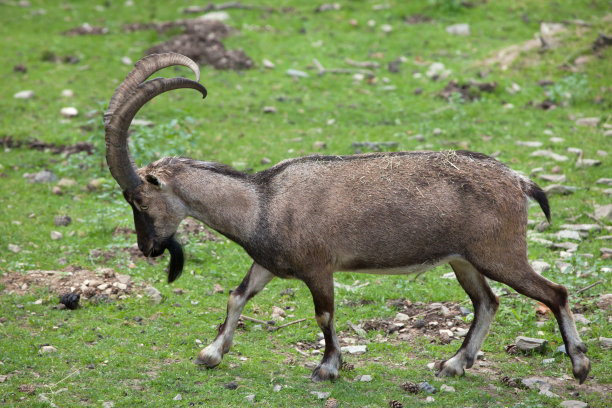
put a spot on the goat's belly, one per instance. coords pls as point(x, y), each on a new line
point(408, 269)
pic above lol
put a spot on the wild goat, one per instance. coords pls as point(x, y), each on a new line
point(305, 218)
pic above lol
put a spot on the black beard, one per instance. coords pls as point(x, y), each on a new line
point(177, 259)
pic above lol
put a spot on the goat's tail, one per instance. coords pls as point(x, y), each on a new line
point(532, 190)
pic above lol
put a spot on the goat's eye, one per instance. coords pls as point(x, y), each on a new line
point(144, 207)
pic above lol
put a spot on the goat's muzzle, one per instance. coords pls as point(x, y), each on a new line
point(177, 258)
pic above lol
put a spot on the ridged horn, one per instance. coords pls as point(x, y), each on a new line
point(127, 101)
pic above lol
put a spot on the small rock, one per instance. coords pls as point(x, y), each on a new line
point(580, 318)
point(69, 112)
point(461, 332)
point(549, 154)
point(568, 234)
point(431, 366)
point(267, 64)
point(608, 133)
point(554, 178)
point(56, 235)
point(588, 121)
point(402, 317)
point(297, 73)
point(603, 212)
point(67, 93)
point(573, 404)
point(321, 395)
point(437, 70)
point(605, 342)
point(365, 378)
point(66, 182)
point(559, 189)
point(563, 267)
point(216, 16)
point(446, 388)
point(581, 227)
point(178, 397)
point(604, 301)
point(277, 388)
point(48, 349)
point(446, 332)
point(108, 404)
point(319, 145)
point(218, 288)
point(465, 311)
point(24, 95)
point(548, 361)
point(540, 267)
point(357, 349)
point(125, 60)
point(14, 248)
point(529, 143)
point(419, 323)
point(430, 399)
point(278, 313)
point(462, 29)
point(154, 294)
point(43, 176)
point(427, 388)
point(529, 344)
point(20, 68)
point(270, 109)
point(561, 349)
point(62, 220)
point(95, 184)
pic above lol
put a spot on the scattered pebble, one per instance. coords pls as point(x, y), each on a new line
point(28, 94)
point(69, 112)
point(154, 294)
point(553, 178)
point(581, 227)
point(43, 176)
point(548, 361)
point(603, 212)
point(605, 342)
point(427, 388)
point(268, 64)
point(529, 143)
point(297, 73)
point(461, 29)
point(178, 397)
point(573, 404)
point(3, 378)
point(232, 385)
point(559, 189)
point(588, 121)
point(250, 397)
point(126, 60)
point(67, 93)
point(358, 349)
point(14, 248)
point(549, 154)
point(540, 267)
point(56, 235)
point(402, 317)
point(437, 70)
point(528, 344)
point(604, 301)
point(321, 395)
point(365, 378)
point(446, 388)
point(386, 28)
point(580, 318)
point(568, 234)
point(331, 403)
point(270, 109)
point(277, 388)
point(48, 349)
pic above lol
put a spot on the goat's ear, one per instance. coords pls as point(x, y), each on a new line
point(154, 180)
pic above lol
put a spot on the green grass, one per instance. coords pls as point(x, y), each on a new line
point(148, 363)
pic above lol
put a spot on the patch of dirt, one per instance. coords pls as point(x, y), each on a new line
point(86, 29)
point(133, 251)
point(424, 320)
point(201, 41)
point(8, 142)
point(417, 19)
point(469, 91)
point(602, 41)
point(87, 283)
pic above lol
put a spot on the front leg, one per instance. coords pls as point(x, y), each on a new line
point(254, 281)
point(322, 289)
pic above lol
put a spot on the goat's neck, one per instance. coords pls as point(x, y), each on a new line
point(227, 204)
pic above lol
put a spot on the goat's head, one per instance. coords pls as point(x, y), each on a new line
point(157, 211)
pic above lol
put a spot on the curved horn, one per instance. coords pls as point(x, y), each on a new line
point(129, 97)
point(143, 69)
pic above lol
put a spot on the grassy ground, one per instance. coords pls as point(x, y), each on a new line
point(133, 352)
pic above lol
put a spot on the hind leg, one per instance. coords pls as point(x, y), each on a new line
point(521, 277)
point(485, 305)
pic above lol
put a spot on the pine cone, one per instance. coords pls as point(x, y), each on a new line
point(347, 366)
point(411, 387)
point(395, 404)
point(331, 403)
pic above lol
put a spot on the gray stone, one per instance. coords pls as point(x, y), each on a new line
point(581, 227)
point(588, 121)
point(567, 234)
point(48, 349)
point(154, 294)
point(530, 344)
point(321, 395)
point(579, 318)
point(550, 155)
point(574, 404)
point(553, 178)
point(607, 181)
point(604, 301)
point(250, 397)
point(297, 73)
point(69, 112)
point(603, 212)
point(43, 176)
point(548, 361)
point(427, 387)
point(446, 388)
point(358, 349)
point(277, 388)
point(56, 235)
point(559, 189)
point(270, 109)
point(178, 397)
point(28, 94)
point(402, 317)
point(365, 378)
point(462, 29)
point(540, 266)
point(605, 342)
point(561, 349)
point(529, 143)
